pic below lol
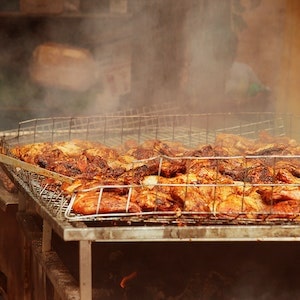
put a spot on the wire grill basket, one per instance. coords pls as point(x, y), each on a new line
point(113, 130)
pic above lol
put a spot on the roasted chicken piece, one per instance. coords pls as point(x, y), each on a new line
point(288, 188)
point(152, 148)
point(194, 199)
point(30, 152)
point(275, 194)
point(286, 176)
point(259, 174)
point(265, 145)
point(171, 194)
point(88, 203)
point(155, 200)
point(240, 205)
point(233, 168)
point(288, 209)
point(162, 166)
point(269, 149)
point(154, 156)
point(234, 144)
point(154, 194)
point(71, 158)
point(185, 190)
point(201, 151)
point(267, 138)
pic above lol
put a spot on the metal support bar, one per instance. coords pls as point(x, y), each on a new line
point(85, 269)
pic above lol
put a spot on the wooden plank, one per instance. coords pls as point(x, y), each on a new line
point(63, 282)
point(47, 236)
point(7, 160)
point(46, 264)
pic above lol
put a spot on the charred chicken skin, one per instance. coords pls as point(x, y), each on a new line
point(235, 177)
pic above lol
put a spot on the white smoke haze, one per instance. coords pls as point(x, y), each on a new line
point(173, 51)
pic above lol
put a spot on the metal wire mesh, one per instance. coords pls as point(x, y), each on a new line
point(113, 130)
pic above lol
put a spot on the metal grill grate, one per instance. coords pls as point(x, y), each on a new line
point(113, 130)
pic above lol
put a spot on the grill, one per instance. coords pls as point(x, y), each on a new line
point(113, 130)
point(154, 226)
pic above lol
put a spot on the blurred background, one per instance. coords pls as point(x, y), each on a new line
point(76, 57)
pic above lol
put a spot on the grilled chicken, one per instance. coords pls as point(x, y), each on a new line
point(234, 177)
point(88, 203)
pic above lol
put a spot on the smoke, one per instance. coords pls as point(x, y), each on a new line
point(181, 52)
point(167, 51)
point(210, 49)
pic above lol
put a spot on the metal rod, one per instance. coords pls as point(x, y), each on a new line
point(85, 269)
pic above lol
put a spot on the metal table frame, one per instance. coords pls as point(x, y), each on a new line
point(79, 231)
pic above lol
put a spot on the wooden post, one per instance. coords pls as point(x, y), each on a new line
point(288, 94)
point(47, 236)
